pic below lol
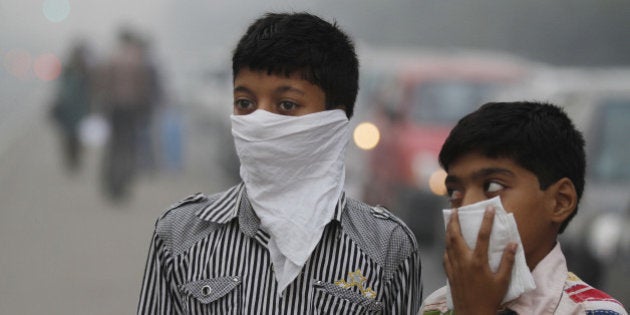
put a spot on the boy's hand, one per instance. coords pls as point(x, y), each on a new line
point(474, 287)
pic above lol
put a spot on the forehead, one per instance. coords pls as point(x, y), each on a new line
point(279, 74)
point(475, 165)
point(262, 78)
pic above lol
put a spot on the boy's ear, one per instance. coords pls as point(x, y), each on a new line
point(564, 199)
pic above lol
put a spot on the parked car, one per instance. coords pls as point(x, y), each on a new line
point(414, 107)
point(597, 241)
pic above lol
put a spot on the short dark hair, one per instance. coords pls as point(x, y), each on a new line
point(539, 137)
point(288, 43)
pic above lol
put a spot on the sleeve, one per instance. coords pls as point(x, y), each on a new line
point(435, 303)
point(159, 294)
point(405, 293)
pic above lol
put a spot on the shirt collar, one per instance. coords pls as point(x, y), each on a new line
point(223, 209)
point(549, 275)
point(234, 202)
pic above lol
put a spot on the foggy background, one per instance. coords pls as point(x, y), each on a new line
point(66, 249)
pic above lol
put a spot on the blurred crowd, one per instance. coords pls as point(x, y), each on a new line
point(118, 104)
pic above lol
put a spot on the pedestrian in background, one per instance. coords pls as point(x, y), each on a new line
point(129, 96)
point(71, 103)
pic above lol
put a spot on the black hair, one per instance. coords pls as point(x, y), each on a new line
point(539, 137)
point(289, 43)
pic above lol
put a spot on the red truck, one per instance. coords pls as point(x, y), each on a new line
point(414, 107)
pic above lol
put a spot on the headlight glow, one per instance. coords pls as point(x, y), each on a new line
point(366, 136)
point(436, 182)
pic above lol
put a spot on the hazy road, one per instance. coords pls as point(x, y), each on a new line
point(64, 249)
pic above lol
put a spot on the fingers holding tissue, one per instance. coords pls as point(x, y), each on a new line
point(482, 246)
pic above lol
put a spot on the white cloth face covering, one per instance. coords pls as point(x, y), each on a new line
point(504, 231)
point(294, 172)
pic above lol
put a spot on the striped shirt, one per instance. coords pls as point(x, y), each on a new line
point(208, 255)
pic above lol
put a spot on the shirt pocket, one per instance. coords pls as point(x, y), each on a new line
point(212, 296)
point(329, 298)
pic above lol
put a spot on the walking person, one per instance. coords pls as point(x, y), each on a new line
point(72, 104)
point(128, 90)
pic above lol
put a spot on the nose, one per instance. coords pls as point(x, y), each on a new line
point(471, 197)
point(266, 105)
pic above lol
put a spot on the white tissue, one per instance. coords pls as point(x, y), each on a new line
point(504, 231)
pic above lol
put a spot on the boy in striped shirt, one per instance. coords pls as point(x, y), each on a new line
point(285, 240)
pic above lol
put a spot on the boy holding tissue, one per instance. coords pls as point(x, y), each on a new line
point(513, 164)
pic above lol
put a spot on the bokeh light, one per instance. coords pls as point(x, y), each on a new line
point(366, 136)
point(436, 182)
point(47, 67)
point(56, 10)
point(18, 63)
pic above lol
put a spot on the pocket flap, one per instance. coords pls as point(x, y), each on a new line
point(209, 290)
point(369, 304)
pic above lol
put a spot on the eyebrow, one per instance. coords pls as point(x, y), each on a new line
point(281, 89)
point(484, 172)
point(241, 88)
point(287, 88)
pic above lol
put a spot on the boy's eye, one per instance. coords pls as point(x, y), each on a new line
point(453, 193)
point(242, 104)
point(492, 187)
point(287, 106)
point(454, 197)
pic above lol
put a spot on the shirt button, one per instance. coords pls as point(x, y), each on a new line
point(378, 210)
point(235, 279)
point(206, 290)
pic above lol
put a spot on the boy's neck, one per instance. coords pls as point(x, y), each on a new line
point(534, 258)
